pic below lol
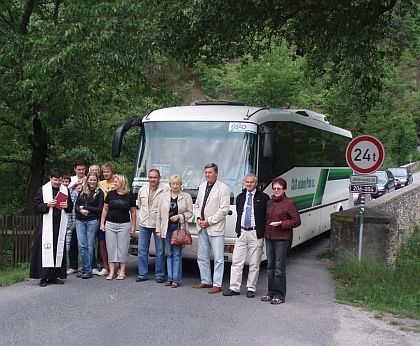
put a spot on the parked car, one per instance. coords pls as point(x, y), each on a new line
point(385, 184)
point(402, 175)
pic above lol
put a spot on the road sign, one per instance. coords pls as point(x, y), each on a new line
point(357, 188)
point(365, 154)
point(363, 179)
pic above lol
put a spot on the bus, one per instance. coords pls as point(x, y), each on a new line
point(299, 145)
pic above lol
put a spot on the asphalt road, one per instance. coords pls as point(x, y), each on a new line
point(98, 312)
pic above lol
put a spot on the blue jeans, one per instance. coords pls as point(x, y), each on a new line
point(205, 243)
point(86, 233)
point(143, 253)
point(276, 267)
point(173, 256)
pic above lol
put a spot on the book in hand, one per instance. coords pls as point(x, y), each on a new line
point(60, 197)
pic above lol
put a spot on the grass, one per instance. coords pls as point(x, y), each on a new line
point(375, 286)
point(10, 276)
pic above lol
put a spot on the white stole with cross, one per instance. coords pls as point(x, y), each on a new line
point(47, 230)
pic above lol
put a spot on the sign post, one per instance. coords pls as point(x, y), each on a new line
point(364, 154)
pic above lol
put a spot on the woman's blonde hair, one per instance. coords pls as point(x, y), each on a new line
point(175, 179)
point(125, 188)
point(86, 189)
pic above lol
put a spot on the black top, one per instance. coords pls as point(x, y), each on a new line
point(119, 206)
point(173, 209)
point(93, 203)
point(260, 207)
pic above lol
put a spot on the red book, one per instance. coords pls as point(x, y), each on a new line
point(60, 197)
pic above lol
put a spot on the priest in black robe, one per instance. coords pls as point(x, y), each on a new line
point(48, 260)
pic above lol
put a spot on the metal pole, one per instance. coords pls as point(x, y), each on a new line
point(362, 216)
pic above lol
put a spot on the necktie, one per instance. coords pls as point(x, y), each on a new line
point(247, 221)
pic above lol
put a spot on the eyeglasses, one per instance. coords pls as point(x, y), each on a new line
point(277, 188)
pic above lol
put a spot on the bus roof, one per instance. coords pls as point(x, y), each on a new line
point(235, 113)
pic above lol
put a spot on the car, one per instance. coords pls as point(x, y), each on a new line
point(402, 175)
point(385, 184)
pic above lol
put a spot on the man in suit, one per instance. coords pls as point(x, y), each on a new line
point(211, 207)
point(251, 206)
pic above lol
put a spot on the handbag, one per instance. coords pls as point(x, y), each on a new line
point(181, 236)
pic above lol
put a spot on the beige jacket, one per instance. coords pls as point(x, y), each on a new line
point(146, 215)
point(216, 209)
point(185, 210)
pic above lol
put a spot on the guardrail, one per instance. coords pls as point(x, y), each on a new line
point(16, 238)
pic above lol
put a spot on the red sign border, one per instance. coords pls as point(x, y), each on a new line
point(381, 152)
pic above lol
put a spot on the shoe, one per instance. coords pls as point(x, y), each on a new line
point(71, 271)
point(277, 301)
point(230, 292)
point(43, 283)
point(141, 279)
point(215, 290)
point(103, 272)
point(201, 285)
point(121, 277)
point(56, 281)
point(174, 285)
point(79, 275)
point(250, 294)
point(160, 280)
point(96, 272)
point(266, 298)
point(167, 283)
point(110, 277)
point(87, 276)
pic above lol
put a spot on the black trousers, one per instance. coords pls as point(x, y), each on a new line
point(276, 267)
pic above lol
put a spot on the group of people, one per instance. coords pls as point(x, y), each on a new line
point(109, 211)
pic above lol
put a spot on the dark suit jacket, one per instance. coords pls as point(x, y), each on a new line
point(260, 207)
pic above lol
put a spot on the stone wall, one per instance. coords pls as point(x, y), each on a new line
point(388, 221)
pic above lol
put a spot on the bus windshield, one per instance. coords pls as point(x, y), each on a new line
point(184, 148)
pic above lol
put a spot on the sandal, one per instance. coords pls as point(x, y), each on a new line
point(121, 277)
point(109, 277)
point(277, 301)
point(167, 283)
point(266, 298)
point(174, 285)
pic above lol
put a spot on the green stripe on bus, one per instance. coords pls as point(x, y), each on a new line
point(303, 201)
point(339, 173)
point(322, 182)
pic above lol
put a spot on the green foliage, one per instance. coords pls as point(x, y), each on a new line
point(409, 254)
point(375, 286)
point(10, 276)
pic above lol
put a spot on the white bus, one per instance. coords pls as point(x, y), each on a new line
point(299, 145)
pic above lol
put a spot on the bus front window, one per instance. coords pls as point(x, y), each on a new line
point(183, 148)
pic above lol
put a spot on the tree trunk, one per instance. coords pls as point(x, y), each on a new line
point(39, 144)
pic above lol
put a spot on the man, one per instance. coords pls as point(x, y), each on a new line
point(250, 227)
point(108, 172)
point(147, 205)
point(211, 207)
point(72, 245)
point(53, 201)
point(79, 177)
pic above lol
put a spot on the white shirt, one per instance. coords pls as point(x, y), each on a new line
point(245, 209)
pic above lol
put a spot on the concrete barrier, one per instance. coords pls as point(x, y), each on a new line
point(387, 223)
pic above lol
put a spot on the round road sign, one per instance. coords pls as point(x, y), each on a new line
point(365, 154)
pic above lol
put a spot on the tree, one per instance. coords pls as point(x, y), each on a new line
point(335, 37)
point(66, 67)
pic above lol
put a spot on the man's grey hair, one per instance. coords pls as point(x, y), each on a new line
point(212, 165)
point(251, 175)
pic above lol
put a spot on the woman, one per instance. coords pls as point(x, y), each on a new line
point(175, 209)
point(88, 209)
point(118, 221)
point(282, 217)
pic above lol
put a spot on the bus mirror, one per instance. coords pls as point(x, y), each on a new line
point(268, 134)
